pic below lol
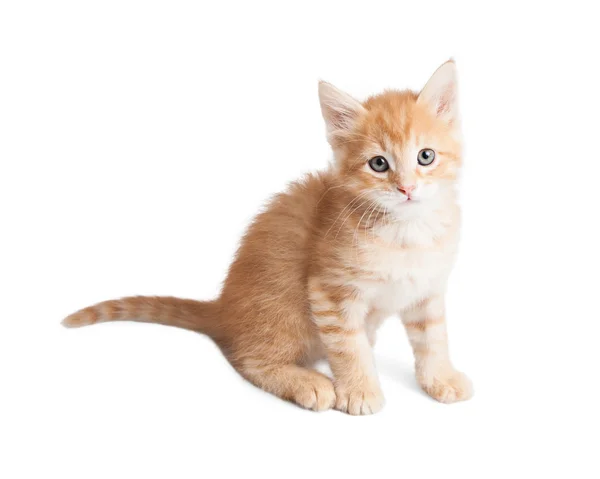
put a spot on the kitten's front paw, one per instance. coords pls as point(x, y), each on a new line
point(448, 387)
point(359, 400)
point(317, 394)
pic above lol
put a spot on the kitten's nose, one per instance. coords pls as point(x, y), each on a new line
point(406, 189)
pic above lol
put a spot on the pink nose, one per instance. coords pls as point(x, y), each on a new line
point(407, 190)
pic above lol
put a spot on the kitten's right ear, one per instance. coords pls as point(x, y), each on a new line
point(339, 109)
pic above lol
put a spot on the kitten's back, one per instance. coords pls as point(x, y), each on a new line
point(264, 298)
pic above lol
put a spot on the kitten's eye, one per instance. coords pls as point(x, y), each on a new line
point(426, 157)
point(379, 164)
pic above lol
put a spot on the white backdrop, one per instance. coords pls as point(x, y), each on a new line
point(138, 138)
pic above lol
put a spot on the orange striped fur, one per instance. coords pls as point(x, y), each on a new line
point(338, 252)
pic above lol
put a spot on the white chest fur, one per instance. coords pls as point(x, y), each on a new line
point(405, 262)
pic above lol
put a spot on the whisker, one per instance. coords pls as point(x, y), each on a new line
point(371, 224)
point(331, 188)
point(370, 207)
point(350, 214)
point(327, 191)
point(345, 207)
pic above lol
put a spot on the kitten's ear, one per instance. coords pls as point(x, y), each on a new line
point(339, 109)
point(440, 93)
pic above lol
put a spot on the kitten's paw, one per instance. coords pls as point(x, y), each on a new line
point(447, 388)
point(359, 400)
point(317, 394)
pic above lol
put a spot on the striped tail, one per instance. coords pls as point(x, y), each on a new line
point(200, 316)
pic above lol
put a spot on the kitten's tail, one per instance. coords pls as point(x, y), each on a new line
point(200, 316)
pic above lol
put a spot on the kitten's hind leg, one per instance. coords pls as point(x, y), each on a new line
point(306, 387)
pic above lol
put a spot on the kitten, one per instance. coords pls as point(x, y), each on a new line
point(374, 235)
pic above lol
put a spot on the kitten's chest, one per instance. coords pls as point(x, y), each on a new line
point(397, 275)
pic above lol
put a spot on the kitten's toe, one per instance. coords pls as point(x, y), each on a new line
point(359, 401)
point(448, 388)
point(318, 394)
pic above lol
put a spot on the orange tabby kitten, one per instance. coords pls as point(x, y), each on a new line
point(374, 235)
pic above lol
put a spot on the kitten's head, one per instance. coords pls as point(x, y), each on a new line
point(400, 149)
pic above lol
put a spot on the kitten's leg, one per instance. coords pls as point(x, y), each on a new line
point(341, 326)
point(372, 323)
point(426, 328)
point(306, 387)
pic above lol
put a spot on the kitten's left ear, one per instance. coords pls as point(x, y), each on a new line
point(440, 93)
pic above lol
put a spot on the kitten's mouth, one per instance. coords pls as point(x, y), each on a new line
point(410, 201)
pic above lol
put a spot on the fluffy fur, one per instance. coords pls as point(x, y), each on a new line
point(336, 254)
